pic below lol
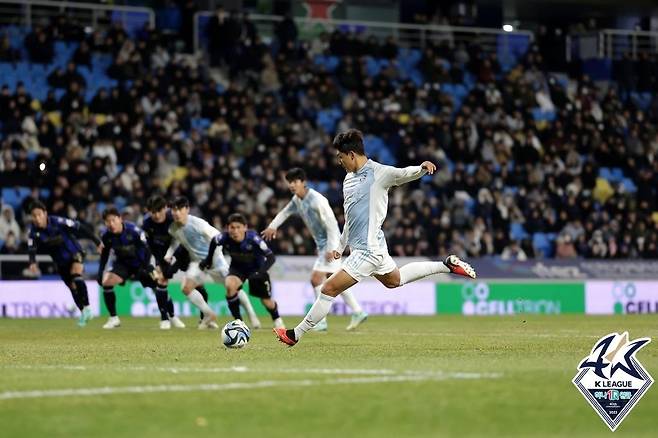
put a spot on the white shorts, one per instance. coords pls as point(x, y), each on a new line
point(322, 265)
point(363, 264)
point(216, 274)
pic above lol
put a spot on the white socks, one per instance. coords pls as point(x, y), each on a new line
point(318, 312)
point(417, 270)
point(196, 298)
point(244, 301)
point(347, 296)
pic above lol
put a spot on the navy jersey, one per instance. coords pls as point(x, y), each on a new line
point(58, 239)
point(157, 235)
point(130, 247)
point(248, 256)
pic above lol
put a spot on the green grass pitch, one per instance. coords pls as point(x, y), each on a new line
point(396, 376)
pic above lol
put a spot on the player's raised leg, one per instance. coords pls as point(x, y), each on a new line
point(418, 270)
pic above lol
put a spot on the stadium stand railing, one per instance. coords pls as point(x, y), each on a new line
point(508, 45)
point(28, 12)
point(611, 44)
point(614, 43)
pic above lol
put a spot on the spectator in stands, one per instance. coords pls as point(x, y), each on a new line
point(82, 55)
point(40, 47)
point(101, 103)
point(286, 33)
point(7, 52)
point(8, 223)
point(72, 102)
point(10, 245)
point(514, 252)
point(62, 78)
point(174, 130)
point(564, 247)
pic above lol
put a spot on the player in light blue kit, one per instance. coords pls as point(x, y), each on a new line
point(365, 193)
point(195, 235)
point(318, 216)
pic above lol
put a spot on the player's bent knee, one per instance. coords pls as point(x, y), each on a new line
point(317, 279)
point(391, 284)
point(329, 289)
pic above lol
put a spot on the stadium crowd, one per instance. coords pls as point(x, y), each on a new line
point(509, 183)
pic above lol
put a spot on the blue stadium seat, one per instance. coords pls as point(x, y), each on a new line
point(629, 185)
point(612, 175)
point(376, 147)
point(642, 100)
point(200, 124)
point(517, 232)
point(542, 244)
point(541, 116)
point(327, 119)
point(372, 66)
point(319, 186)
point(330, 63)
point(14, 196)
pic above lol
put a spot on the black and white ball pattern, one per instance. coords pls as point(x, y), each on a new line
point(235, 334)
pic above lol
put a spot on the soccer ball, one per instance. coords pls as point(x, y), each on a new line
point(235, 334)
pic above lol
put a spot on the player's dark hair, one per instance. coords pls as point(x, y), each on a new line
point(295, 173)
point(37, 205)
point(237, 217)
point(350, 141)
point(111, 211)
point(156, 203)
point(180, 202)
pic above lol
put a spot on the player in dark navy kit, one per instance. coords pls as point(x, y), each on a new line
point(251, 258)
point(57, 236)
point(132, 261)
point(156, 226)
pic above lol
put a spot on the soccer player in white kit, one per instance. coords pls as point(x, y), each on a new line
point(365, 192)
point(195, 235)
point(318, 216)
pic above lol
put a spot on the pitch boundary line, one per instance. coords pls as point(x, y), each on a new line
point(147, 389)
point(244, 369)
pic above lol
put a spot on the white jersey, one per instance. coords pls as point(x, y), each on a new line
point(195, 236)
point(318, 216)
point(365, 194)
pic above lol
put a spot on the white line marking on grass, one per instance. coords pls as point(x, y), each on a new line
point(235, 369)
point(46, 367)
point(110, 390)
point(243, 369)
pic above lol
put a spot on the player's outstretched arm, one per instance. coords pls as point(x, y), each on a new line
point(269, 233)
point(394, 176)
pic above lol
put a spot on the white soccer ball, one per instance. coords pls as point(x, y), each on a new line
point(235, 334)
